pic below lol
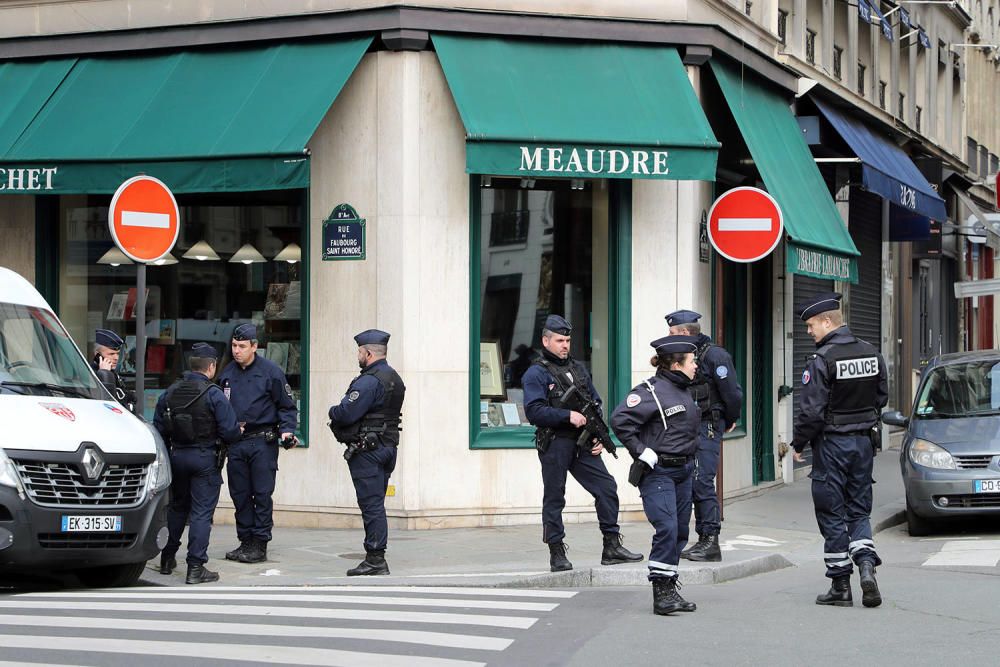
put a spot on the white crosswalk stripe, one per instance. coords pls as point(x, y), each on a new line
point(355, 626)
point(967, 553)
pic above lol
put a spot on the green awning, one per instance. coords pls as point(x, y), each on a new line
point(201, 121)
point(579, 110)
point(819, 244)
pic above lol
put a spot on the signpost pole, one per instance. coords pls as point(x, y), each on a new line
point(140, 336)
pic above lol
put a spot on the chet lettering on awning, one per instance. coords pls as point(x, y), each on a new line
point(26, 179)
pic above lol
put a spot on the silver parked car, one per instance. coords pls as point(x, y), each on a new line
point(950, 457)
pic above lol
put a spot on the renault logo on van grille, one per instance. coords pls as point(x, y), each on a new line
point(93, 464)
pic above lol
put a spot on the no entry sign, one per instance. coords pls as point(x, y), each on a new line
point(144, 219)
point(745, 224)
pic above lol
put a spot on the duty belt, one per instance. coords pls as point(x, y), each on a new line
point(673, 461)
point(270, 434)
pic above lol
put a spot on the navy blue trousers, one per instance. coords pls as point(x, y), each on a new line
point(706, 500)
point(370, 472)
point(842, 496)
point(252, 468)
point(563, 456)
point(666, 499)
point(194, 493)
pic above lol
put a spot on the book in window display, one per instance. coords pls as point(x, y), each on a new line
point(277, 295)
point(294, 366)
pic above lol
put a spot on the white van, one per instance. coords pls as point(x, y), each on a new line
point(83, 482)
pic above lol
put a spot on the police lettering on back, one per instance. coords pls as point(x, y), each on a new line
point(848, 369)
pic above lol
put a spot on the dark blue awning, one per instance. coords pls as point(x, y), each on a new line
point(886, 170)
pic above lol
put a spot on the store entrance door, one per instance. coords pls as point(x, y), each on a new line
point(761, 361)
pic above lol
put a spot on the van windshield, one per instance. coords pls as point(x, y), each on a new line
point(961, 390)
point(38, 357)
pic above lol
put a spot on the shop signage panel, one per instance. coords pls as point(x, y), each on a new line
point(144, 219)
point(817, 263)
point(343, 234)
point(745, 224)
point(27, 179)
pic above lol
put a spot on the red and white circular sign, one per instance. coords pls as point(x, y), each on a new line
point(144, 219)
point(745, 224)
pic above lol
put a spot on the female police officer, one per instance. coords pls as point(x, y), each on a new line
point(658, 422)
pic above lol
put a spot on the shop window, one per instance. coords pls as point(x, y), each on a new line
point(881, 94)
point(567, 261)
point(811, 46)
point(782, 25)
point(237, 259)
point(838, 63)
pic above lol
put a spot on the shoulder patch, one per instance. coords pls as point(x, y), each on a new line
point(722, 372)
point(353, 396)
point(633, 400)
point(806, 376)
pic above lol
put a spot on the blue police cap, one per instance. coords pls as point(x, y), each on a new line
point(818, 303)
point(245, 331)
point(675, 344)
point(108, 339)
point(679, 317)
point(558, 325)
point(204, 350)
point(372, 337)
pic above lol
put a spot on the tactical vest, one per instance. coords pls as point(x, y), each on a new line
point(189, 415)
point(853, 373)
point(563, 381)
point(387, 420)
point(702, 388)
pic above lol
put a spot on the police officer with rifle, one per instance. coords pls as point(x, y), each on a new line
point(561, 402)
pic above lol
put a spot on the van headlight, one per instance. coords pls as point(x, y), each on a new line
point(929, 455)
point(8, 474)
point(159, 471)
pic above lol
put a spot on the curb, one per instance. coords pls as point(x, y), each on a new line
point(894, 519)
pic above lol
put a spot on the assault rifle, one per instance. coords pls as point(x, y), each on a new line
point(596, 428)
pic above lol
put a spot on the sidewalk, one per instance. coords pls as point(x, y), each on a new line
point(767, 532)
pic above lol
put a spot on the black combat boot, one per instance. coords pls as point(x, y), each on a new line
point(255, 553)
point(167, 563)
point(615, 553)
point(238, 551)
point(667, 599)
point(870, 596)
point(557, 557)
point(197, 574)
point(373, 565)
point(706, 550)
point(839, 594)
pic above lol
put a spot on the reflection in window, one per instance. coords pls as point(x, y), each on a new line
point(961, 390)
point(544, 252)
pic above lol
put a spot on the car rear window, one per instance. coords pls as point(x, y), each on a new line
point(961, 390)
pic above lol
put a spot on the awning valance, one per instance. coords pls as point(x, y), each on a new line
point(576, 110)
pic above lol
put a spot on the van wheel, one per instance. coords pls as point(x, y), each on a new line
point(111, 576)
point(915, 524)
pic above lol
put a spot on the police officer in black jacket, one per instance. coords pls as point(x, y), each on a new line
point(844, 389)
point(718, 393)
point(658, 422)
point(367, 420)
point(107, 349)
point(546, 382)
point(195, 419)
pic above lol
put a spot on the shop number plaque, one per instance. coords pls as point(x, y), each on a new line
point(343, 234)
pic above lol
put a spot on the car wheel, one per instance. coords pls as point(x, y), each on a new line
point(916, 524)
point(111, 576)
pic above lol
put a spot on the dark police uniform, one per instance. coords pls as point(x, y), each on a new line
point(719, 396)
point(111, 379)
point(367, 419)
point(543, 408)
point(658, 423)
point(844, 388)
point(262, 399)
point(193, 416)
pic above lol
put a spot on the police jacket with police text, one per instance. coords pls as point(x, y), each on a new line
point(669, 427)
point(373, 403)
point(844, 388)
point(542, 398)
point(260, 395)
point(212, 415)
point(715, 386)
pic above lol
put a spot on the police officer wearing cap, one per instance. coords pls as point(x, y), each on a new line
point(265, 409)
point(367, 420)
point(719, 395)
point(844, 389)
point(107, 349)
point(545, 383)
point(658, 423)
point(194, 418)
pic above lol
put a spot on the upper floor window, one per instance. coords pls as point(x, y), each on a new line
point(972, 154)
point(917, 118)
point(811, 46)
point(861, 79)
point(838, 59)
point(782, 25)
point(994, 164)
point(984, 161)
point(902, 105)
point(747, 7)
point(881, 94)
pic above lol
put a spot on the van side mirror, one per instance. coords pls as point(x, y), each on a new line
point(895, 418)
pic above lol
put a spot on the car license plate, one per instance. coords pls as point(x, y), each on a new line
point(988, 486)
point(91, 524)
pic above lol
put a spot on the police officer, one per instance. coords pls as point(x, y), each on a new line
point(265, 409)
point(107, 349)
point(718, 393)
point(194, 418)
point(658, 422)
point(367, 420)
point(549, 378)
point(844, 389)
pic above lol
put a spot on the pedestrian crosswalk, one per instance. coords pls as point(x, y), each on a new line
point(355, 626)
point(972, 552)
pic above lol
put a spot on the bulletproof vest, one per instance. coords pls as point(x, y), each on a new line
point(853, 372)
point(387, 419)
point(190, 417)
point(563, 382)
point(702, 389)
